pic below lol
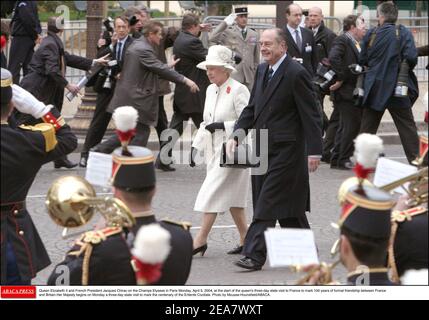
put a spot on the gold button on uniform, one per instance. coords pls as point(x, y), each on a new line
point(21, 233)
point(15, 211)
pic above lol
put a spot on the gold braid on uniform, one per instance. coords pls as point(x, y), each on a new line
point(397, 218)
point(391, 260)
point(85, 265)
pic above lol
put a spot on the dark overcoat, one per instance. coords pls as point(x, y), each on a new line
point(288, 110)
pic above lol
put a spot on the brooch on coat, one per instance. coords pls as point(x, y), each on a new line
point(228, 90)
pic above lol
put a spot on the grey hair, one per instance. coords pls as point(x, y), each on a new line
point(389, 11)
point(280, 35)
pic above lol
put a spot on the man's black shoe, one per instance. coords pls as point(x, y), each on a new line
point(348, 165)
point(248, 264)
point(64, 163)
point(83, 161)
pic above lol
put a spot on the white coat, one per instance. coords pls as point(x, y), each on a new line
point(222, 188)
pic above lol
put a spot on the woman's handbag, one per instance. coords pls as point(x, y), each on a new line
point(243, 158)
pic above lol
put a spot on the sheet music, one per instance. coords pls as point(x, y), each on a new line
point(388, 171)
point(99, 169)
point(290, 247)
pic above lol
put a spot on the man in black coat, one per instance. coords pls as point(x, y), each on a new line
point(23, 152)
point(282, 102)
point(46, 78)
point(104, 84)
point(384, 49)
point(345, 52)
point(110, 260)
point(300, 41)
point(324, 38)
point(190, 50)
point(26, 33)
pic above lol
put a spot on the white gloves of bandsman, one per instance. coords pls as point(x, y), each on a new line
point(26, 103)
point(229, 20)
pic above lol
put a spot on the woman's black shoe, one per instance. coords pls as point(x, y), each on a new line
point(236, 250)
point(201, 249)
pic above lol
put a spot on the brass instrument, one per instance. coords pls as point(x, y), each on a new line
point(72, 202)
point(325, 278)
point(417, 189)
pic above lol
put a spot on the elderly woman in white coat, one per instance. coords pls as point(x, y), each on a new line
point(224, 189)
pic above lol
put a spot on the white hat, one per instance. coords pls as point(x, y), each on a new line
point(218, 56)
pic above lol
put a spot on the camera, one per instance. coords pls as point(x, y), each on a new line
point(236, 58)
point(358, 92)
point(325, 76)
point(401, 89)
point(108, 30)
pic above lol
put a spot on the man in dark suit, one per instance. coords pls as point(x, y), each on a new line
point(26, 33)
point(300, 41)
point(323, 38)
point(23, 152)
point(190, 50)
point(345, 51)
point(111, 259)
point(282, 102)
point(381, 55)
point(139, 86)
point(46, 77)
point(105, 84)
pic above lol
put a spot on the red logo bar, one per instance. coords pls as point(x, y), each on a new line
point(23, 292)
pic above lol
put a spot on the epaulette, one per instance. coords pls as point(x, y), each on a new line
point(94, 237)
point(48, 131)
point(183, 224)
point(407, 215)
point(87, 242)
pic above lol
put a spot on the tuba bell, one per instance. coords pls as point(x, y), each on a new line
point(72, 202)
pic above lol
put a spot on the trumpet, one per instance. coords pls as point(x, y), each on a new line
point(326, 274)
point(71, 202)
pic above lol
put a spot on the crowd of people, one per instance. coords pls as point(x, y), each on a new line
point(272, 82)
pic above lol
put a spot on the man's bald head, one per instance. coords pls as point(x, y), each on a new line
point(293, 15)
point(315, 16)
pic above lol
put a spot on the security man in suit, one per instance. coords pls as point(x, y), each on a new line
point(300, 41)
point(23, 151)
point(110, 258)
point(26, 32)
point(345, 52)
point(241, 39)
point(104, 84)
point(324, 37)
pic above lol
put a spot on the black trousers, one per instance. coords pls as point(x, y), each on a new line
point(162, 119)
point(177, 124)
point(99, 121)
point(331, 131)
point(21, 52)
point(254, 243)
point(140, 139)
point(348, 130)
point(404, 122)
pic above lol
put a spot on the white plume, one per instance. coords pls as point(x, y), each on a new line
point(367, 149)
point(415, 277)
point(125, 118)
point(152, 244)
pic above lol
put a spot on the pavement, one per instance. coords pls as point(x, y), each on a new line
point(175, 197)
